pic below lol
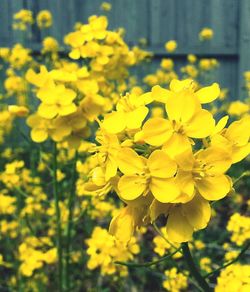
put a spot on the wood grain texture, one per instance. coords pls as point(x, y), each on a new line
point(156, 20)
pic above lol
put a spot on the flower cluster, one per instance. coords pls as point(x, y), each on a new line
point(71, 96)
point(172, 165)
point(239, 226)
point(104, 250)
point(234, 278)
point(175, 281)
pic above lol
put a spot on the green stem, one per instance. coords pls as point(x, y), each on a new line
point(58, 220)
point(71, 208)
point(244, 249)
point(193, 269)
point(243, 175)
point(149, 264)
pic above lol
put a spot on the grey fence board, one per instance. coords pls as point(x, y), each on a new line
point(157, 21)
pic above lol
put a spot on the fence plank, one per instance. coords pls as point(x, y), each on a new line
point(156, 20)
point(244, 44)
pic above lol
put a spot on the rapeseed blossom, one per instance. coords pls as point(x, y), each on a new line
point(206, 34)
point(165, 153)
point(171, 46)
point(156, 167)
point(44, 19)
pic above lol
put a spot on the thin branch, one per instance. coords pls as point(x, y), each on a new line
point(149, 264)
point(243, 251)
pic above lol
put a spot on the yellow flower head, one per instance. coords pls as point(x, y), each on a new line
point(171, 46)
point(206, 34)
point(44, 19)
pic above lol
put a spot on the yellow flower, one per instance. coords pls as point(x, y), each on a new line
point(20, 111)
point(56, 100)
point(129, 218)
point(206, 34)
point(130, 112)
point(143, 175)
point(167, 64)
point(238, 108)
point(22, 19)
point(185, 117)
point(239, 226)
point(50, 44)
point(40, 128)
point(38, 79)
point(236, 277)
point(106, 152)
point(163, 245)
point(183, 219)
point(191, 58)
point(204, 171)
point(104, 250)
point(19, 56)
point(175, 281)
point(171, 46)
point(44, 19)
point(235, 139)
point(106, 6)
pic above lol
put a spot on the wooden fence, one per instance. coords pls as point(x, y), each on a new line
point(157, 21)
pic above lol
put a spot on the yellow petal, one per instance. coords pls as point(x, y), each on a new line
point(161, 94)
point(67, 109)
point(201, 125)
point(157, 131)
point(68, 96)
point(160, 165)
point(75, 54)
point(217, 159)
point(47, 111)
point(184, 180)
point(198, 212)
point(178, 85)
point(111, 167)
point(135, 118)
point(177, 144)
point(131, 187)
point(129, 162)
point(185, 160)
point(182, 107)
point(58, 133)
point(178, 228)
point(214, 188)
point(157, 208)
point(122, 226)
point(240, 153)
point(209, 93)
point(114, 122)
point(98, 176)
point(239, 132)
point(39, 135)
point(220, 125)
point(165, 190)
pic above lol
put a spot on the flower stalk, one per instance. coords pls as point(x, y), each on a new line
point(58, 220)
point(70, 223)
point(193, 269)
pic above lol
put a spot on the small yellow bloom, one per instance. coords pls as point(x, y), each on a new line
point(44, 19)
point(106, 6)
point(171, 46)
point(238, 108)
point(56, 100)
point(130, 112)
point(142, 175)
point(20, 111)
point(206, 34)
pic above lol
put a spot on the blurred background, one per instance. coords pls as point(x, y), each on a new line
point(154, 22)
